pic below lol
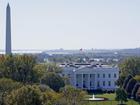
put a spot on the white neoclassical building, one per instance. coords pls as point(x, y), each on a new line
point(92, 77)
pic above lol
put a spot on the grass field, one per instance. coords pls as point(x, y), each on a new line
point(111, 100)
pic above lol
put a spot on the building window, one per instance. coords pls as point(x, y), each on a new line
point(114, 83)
point(84, 86)
point(109, 83)
point(103, 83)
point(98, 84)
point(77, 85)
point(63, 75)
point(103, 75)
point(84, 75)
point(90, 83)
point(115, 75)
point(68, 75)
point(98, 75)
point(90, 75)
point(109, 75)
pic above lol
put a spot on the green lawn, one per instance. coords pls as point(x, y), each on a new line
point(111, 100)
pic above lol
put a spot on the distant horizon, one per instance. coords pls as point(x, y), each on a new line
point(73, 49)
point(73, 24)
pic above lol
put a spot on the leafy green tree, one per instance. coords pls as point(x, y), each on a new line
point(130, 66)
point(121, 96)
point(6, 66)
point(18, 67)
point(73, 96)
point(6, 86)
point(39, 71)
point(120, 81)
point(135, 90)
point(53, 80)
point(138, 96)
point(24, 66)
point(126, 80)
point(137, 77)
point(50, 98)
point(45, 88)
point(49, 67)
point(130, 86)
point(32, 95)
point(26, 95)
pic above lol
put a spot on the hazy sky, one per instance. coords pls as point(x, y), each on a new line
point(72, 24)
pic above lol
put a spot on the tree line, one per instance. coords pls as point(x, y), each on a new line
point(128, 87)
point(23, 81)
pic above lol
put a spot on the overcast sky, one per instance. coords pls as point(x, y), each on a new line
point(72, 24)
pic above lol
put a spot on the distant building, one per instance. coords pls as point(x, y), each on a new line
point(91, 77)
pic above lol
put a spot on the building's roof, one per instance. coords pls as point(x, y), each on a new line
point(79, 65)
point(91, 68)
point(96, 69)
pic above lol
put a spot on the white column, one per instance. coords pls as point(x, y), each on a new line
point(75, 79)
point(82, 81)
point(95, 81)
point(88, 81)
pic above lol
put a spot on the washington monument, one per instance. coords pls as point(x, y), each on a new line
point(8, 30)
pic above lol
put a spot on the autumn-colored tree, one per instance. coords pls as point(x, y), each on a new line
point(6, 86)
point(26, 95)
point(73, 96)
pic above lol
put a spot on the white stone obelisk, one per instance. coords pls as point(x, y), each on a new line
point(8, 30)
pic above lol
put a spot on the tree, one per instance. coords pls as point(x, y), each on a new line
point(130, 66)
point(51, 98)
point(24, 66)
point(138, 95)
point(126, 80)
point(137, 77)
point(26, 95)
point(73, 96)
point(53, 80)
point(135, 91)
point(45, 88)
point(49, 67)
point(130, 86)
point(6, 86)
point(39, 71)
point(6, 66)
point(120, 81)
point(18, 67)
point(121, 96)
point(31, 95)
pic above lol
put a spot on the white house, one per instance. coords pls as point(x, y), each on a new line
point(91, 77)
